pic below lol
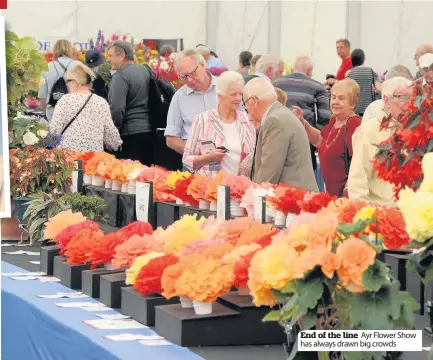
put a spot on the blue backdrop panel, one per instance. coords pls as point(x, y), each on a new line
point(37, 329)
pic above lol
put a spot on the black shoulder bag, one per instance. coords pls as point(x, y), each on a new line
point(76, 115)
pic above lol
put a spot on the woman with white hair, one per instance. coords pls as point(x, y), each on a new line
point(221, 138)
point(84, 119)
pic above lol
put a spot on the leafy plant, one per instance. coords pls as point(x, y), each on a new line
point(35, 169)
point(22, 125)
point(24, 65)
point(44, 206)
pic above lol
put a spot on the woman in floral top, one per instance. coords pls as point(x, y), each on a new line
point(221, 138)
point(94, 127)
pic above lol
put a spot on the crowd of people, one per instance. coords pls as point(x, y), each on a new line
point(260, 121)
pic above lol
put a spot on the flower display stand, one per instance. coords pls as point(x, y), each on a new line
point(109, 289)
point(183, 327)
point(208, 213)
point(126, 209)
point(72, 275)
point(91, 281)
point(260, 332)
point(111, 198)
point(188, 210)
point(57, 266)
point(166, 214)
point(48, 253)
point(235, 320)
point(142, 308)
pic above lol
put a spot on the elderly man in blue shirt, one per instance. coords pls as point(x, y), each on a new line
point(197, 96)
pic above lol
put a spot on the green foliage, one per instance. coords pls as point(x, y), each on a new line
point(353, 228)
point(24, 65)
point(104, 71)
point(22, 125)
point(44, 206)
point(421, 263)
point(376, 276)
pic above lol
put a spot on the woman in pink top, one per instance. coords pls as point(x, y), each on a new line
point(221, 138)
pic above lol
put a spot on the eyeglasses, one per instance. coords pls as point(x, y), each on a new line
point(401, 97)
point(187, 76)
point(69, 80)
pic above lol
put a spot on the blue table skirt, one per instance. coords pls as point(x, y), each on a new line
point(36, 329)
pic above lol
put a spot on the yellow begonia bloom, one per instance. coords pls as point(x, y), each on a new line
point(417, 209)
point(365, 213)
point(139, 262)
point(427, 167)
point(175, 176)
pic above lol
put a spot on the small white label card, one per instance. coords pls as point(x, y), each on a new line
point(258, 208)
point(34, 273)
point(142, 201)
point(77, 295)
point(97, 309)
point(155, 342)
point(132, 337)
point(221, 202)
point(48, 279)
point(18, 252)
point(104, 324)
point(80, 305)
point(33, 253)
point(35, 262)
point(24, 277)
point(113, 316)
point(75, 181)
point(14, 245)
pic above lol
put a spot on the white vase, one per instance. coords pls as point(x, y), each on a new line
point(124, 188)
point(131, 187)
point(204, 205)
point(290, 218)
point(213, 206)
point(109, 266)
point(98, 180)
point(87, 179)
point(202, 308)
point(187, 204)
point(280, 218)
point(250, 212)
point(116, 186)
point(185, 302)
point(235, 209)
point(108, 184)
point(179, 202)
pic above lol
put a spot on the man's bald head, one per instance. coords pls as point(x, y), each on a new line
point(422, 50)
point(260, 88)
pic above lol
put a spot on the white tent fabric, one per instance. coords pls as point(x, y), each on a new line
point(388, 31)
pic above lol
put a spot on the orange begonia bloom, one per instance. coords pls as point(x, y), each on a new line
point(330, 264)
point(355, 256)
point(60, 222)
point(211, 193)
point(168, 281)
point(197, 188)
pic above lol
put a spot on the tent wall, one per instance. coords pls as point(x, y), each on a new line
point(388, 31)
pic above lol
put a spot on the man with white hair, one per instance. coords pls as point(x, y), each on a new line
point(363, 182)
point(282, 152)
point(197, 96)
point(377, 105)
point(426, 69)
point(308, 94)
point(268, 67)
point(211, 60)
point(420, 51)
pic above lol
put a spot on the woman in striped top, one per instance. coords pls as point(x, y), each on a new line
point(223, 137)
point(367, 80)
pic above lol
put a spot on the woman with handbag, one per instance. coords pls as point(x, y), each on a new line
point(84, 119)
point(334, 141)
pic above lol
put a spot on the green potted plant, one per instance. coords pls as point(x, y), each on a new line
point(36, 169)
point(43, 206)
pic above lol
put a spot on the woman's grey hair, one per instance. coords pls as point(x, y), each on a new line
point(302, 63)
point(260, 88)
point(399, 71)
point(390, 86)
point(203, 50)
point(268, 61)
point(191, 53)
point(226, 79)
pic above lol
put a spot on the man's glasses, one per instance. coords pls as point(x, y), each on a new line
point(187, 76)
point(402, 97)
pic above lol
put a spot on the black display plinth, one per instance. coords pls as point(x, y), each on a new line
point(71, 275)
point(111, 198)
point(140, 307)
point(48, 253)
point(91, 280)
point(261, 333)
point(126, 211)
point(183, 327)
point(57, 266)
point(208, 213)
point(109, 290)
point(166, 214)
point(189, 210)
